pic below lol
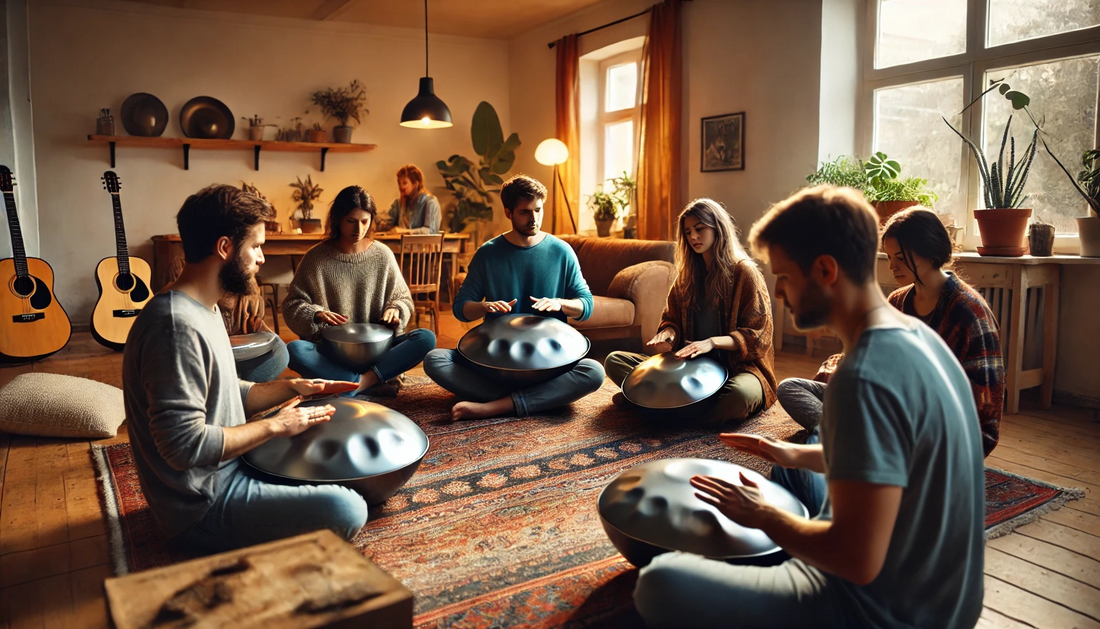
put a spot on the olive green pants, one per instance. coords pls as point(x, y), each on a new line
point(741, 396)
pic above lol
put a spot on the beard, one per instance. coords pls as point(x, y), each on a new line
point(528, 230)
point(813, 308)
point(235, 278)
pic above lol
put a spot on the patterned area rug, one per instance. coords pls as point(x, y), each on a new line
point(499, 525)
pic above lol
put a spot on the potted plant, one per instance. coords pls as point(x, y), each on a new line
point(342, 104)
point(888, 193)
point(1087, 184)
point(317, 133)
point(605, 209)
point(255, 127)
point(305, 192)
point(1003, 223)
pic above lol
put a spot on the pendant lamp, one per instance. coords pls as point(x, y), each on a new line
point(426, 111)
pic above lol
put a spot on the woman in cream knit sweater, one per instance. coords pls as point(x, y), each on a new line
point(351, 278)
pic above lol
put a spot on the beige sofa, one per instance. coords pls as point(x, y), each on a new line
point(629, 280)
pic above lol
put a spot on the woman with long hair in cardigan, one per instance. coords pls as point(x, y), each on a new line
point(415, 211)
point(918, 248)
point(352, 278)
point(718, 305)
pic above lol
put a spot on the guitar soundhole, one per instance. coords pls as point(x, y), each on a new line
point(23, 286)
point(124, 282)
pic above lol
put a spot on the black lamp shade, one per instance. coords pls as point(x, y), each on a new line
point(426, 111)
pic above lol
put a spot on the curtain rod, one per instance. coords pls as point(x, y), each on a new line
point(609, 24)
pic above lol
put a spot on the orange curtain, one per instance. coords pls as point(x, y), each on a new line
point(567, 100)
point(659, 132)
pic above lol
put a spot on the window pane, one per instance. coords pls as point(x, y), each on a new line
point(915, 30)
point(622, 86)
point(1015, 20)
point(909, 128)
point(1063, 97)
point(618, 151)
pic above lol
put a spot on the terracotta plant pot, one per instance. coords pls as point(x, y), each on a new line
point(341, 134)
point(1089, 231)
point(1003, 231)
point(886, 209)
point(1040, 239)
point(316, 136)
point(603, 228)
point(255, 134)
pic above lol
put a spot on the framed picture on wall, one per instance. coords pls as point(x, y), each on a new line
point(723, 143)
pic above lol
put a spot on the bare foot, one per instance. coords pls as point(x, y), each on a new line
point(480, 410)
point(366, 381)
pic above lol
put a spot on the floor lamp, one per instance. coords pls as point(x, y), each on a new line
point(551, 153)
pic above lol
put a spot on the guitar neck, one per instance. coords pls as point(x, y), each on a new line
point(120, 236)
point(18, 253)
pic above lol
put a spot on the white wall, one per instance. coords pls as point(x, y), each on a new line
point(88, 55)
point(16, 148)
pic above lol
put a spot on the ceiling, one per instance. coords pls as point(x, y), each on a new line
point(493, 19)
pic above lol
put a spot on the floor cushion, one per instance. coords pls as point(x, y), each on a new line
point(55, 405)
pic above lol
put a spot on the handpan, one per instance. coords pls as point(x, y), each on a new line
point(365, 446)
point(523, 350)
point(652, 509)
point(252, 345)
point(357, 346)
point(144, 115)
point(665, 381)
point(206, 117)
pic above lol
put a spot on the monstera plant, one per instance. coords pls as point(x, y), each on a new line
point(473, 184)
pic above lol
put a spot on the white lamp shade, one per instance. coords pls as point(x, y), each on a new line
point(551, 152)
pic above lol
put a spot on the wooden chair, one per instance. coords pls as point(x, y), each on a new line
point(276, 271)
point(421, 261)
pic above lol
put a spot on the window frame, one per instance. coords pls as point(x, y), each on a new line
point(971, 66)
point(605, 118)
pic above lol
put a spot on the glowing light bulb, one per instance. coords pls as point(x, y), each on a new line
point(426, 120)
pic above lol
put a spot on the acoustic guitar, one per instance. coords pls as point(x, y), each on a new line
point(33, 324)
point(123, 282)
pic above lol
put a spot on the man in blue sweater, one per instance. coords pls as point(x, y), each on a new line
point(527, 271)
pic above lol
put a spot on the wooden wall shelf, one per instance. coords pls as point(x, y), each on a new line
point(189, 143)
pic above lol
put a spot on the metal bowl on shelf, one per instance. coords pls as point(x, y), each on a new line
point(357, 346)
point(252, 345)
point(652, 509)
point(664, 381)
point(144, 115)
point(364, 446)
point(206, 117)
point(523, 350)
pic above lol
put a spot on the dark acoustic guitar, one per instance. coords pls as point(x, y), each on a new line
point(123, 282)
point(33, 324)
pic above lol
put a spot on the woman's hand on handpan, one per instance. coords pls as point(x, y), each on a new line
point(495, 307)
point(294, 419)
point(316, 386)
point(695, 348)
point(391, 317)
point(331, 318)
point(662, 342)
point(546, 304)
point(781, 453)
point(744, 503)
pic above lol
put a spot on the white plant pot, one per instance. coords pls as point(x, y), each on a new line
point(1089, 231)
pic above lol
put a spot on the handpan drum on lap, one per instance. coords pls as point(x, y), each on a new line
point(523, 350)
point(357, 346)
point(252, 345)
point(667, 382)
point(652, 509)
point(365, 446)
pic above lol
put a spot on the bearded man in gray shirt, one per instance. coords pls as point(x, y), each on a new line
point(186, 409)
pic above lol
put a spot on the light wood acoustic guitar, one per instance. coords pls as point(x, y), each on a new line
point(123, 282)
point(33, 324)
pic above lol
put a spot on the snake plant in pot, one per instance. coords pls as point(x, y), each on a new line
point(1003, 223)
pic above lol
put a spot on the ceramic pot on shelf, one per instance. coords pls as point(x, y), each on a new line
point(1003, 231)
point(341, 134)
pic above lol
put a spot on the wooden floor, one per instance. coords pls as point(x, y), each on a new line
point(54, 554)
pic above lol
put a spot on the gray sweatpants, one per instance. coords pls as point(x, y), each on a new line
point(448, 370)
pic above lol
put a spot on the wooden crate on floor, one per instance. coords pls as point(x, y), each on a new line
point(312, 580)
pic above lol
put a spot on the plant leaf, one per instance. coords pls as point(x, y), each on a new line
point(1004, 88)
point(1019, 99)
point(485, 131)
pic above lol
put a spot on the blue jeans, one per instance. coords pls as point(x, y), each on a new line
point(267, 367)
point(450, 371)
point(249, 510)
point(407, 350)
point(809, 487)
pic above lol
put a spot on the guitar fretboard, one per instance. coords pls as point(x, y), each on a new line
point(18, 253)
point(120, 236)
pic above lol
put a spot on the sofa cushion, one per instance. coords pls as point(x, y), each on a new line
point(602, 258)
point(607, 312)
point(54, 405)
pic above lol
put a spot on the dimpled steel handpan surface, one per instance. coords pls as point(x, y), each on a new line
point(523, 349)
point(652, 509)
point(357, 346)
point(252, 345)
point(365, 446)
point(665, 381)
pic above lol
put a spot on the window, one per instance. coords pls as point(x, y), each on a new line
point(618, 116)
point(930, 58)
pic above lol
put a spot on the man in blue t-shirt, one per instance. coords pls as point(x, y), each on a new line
point(899, 542)
point(524, 270)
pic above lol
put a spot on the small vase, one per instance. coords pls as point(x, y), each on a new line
point(105, 126)
point(1040, 238)
point(341, 134)
point(255, 134)
point(1088, 229)
point(317, 136)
